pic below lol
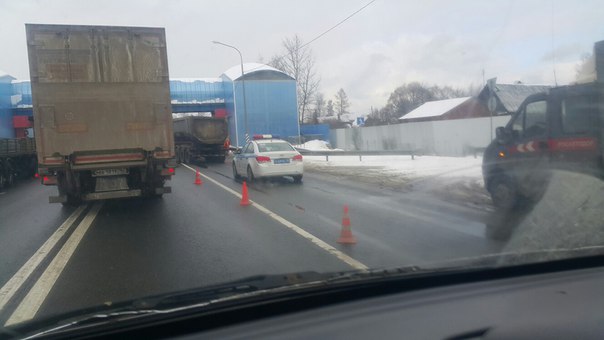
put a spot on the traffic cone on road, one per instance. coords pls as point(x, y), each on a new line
point(245, 200)
point(346, 236)
point(198, 178)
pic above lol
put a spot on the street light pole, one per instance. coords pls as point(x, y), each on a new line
point(247, 136)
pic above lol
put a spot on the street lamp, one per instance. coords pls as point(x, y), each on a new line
point(243, 83)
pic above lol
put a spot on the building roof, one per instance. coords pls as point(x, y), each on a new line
point(5, 75)
point(192, 80)
point(234, 72)
point(434, 108)
point(512, 95)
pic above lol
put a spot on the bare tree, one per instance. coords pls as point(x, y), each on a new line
point(329, 111)
point(341, 104)
point(319, 108)
point(320, 104)
point(408, 97)
point(298, 62)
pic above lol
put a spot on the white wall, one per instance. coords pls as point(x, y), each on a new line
point(445, 137)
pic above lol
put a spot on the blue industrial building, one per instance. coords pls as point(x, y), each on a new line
point(6, 116)
point(270, 101)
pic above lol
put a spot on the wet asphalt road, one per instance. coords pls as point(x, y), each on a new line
point(200, 235)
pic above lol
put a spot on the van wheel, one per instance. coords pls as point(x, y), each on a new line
point(498, 231)
point(503, 193)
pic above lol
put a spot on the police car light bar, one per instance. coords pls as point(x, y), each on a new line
point(263, 136)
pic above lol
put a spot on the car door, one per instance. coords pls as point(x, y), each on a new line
point(244, 156)
point(528, 148)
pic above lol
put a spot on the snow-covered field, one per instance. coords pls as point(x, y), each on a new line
point(451, 178)
point(420, 167)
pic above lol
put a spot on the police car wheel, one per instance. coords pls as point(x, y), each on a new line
point(235, 174)
point(250, 175)
point(503, 193)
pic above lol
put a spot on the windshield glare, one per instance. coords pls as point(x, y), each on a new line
point(414, 134)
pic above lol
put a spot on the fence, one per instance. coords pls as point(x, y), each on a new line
point(329, 153)
point(457, 137)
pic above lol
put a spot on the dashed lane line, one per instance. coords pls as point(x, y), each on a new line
point(28, 308)
point(15, 282)
point(315, 240)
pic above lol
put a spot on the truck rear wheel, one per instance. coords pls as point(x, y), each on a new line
point(186, 156)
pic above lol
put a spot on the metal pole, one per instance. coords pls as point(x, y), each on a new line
point(243, 84)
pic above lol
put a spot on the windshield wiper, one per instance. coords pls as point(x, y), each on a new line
point(181, 301)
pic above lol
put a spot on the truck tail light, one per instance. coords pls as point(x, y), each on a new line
point(263, 159)
point(227, 143)
point(49, 180)
point(297, 158)
point(167, 172)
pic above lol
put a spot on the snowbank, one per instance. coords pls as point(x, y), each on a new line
point(316, 145)
point(421, 166)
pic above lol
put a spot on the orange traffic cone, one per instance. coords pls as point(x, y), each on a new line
point(198, 178)
point(245, 200)
point(346, 236)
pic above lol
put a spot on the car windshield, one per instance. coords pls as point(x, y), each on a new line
point(277, 146)
point(135, 142)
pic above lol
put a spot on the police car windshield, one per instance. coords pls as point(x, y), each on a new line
point(274, 146)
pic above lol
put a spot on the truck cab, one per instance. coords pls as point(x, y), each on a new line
point(560, 129)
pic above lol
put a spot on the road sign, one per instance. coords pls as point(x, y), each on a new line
point(360, 121)
point(492, 103)
point(491, 84)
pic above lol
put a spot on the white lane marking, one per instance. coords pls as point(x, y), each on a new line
point(13, 285)
point(28, 308)
point(317, 241)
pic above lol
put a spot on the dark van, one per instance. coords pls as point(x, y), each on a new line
point(560, 129)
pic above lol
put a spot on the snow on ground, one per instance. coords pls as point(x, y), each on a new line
point(450, 178)
point(420, 167)
point(316, 145)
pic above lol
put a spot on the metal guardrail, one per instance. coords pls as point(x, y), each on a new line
point(332, 153)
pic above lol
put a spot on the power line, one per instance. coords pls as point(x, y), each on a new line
point(338, 24)
point(325, 32)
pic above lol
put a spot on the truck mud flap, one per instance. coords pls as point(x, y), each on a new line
point(112, 194)
point(57, 199)
point(164, 190)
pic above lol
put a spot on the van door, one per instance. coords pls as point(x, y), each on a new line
point(575, 144)
point(528, 150)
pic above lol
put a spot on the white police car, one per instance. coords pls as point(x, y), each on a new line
point(266, 157)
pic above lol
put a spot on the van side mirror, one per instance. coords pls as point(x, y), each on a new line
point(502, 135)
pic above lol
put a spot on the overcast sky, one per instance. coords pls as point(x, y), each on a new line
point(387, 44)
